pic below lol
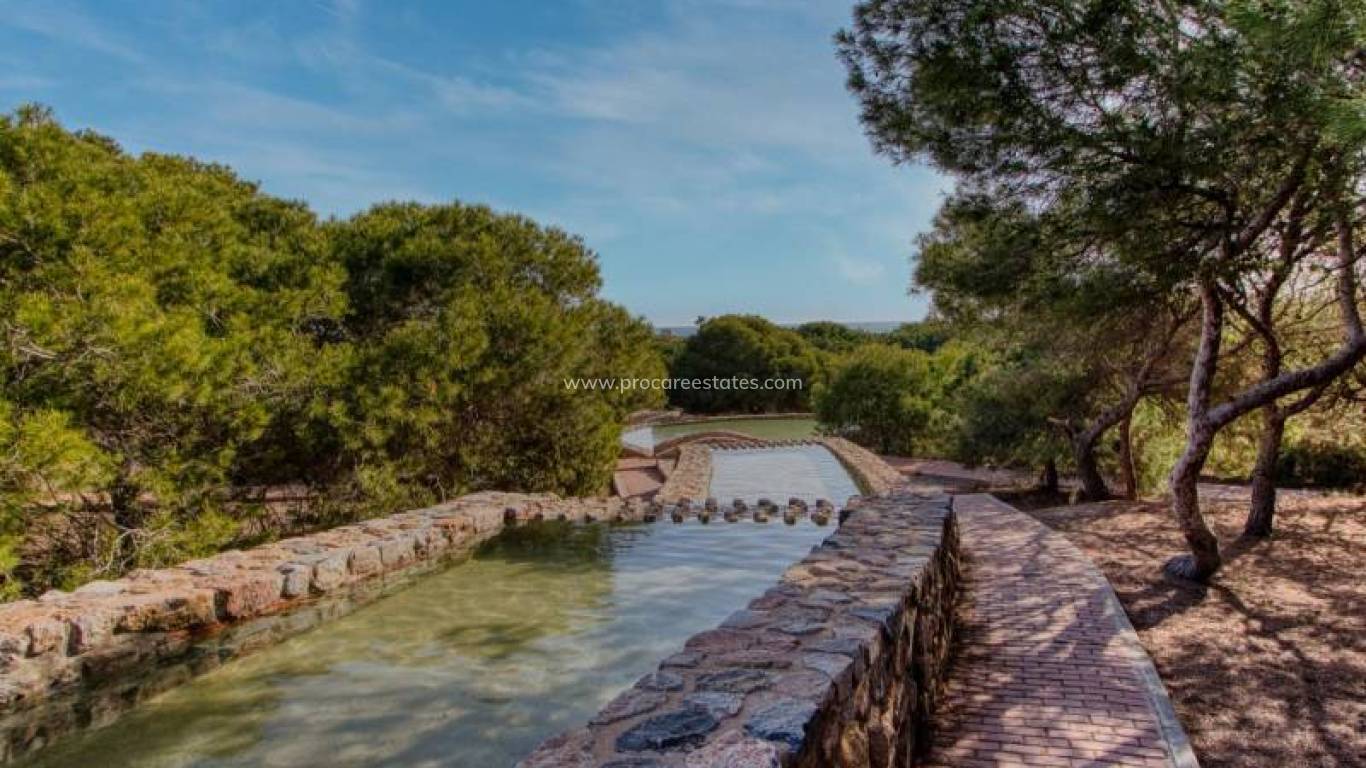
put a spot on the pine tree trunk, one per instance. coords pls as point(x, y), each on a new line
point(1048, 479)
point(1092, 483)
point(1261, 514)
point(1203, 560)
point(1128, 472)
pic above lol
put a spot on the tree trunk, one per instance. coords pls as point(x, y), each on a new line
point(1092, 483)
point(1048, 479)
point(1203, 560)
point(1128, 472)
point(1262, 512)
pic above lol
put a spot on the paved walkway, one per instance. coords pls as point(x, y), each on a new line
point(1050, 673)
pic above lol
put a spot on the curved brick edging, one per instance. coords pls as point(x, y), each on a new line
point(840, 664)
point(71, 660)
point(1049, 671)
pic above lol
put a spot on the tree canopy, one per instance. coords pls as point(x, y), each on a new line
point(745, 347)
point(175, 341)
point(1168, 140)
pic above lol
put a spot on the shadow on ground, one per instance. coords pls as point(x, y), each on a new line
point(1266, 665)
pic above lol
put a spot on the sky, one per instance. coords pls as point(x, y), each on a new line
point(706, 150)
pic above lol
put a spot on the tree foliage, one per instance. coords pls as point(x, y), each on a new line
point(745, 347)
point(1175, 136)
point(175, 340)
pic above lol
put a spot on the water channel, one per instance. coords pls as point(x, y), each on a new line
point(476, 664)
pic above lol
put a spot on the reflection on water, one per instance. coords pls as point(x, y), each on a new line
point(475, 665)
point(808, 472)
point(767, 429)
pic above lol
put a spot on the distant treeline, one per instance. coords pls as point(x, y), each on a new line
point(177, 346)
point(993, 393)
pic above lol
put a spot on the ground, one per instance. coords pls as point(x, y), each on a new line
point(1267, 665)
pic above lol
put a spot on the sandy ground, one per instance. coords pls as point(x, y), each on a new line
point(1267, 665)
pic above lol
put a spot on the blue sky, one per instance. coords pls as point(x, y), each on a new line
point(705, 149)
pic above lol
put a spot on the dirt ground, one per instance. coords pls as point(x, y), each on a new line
point(1267, 665)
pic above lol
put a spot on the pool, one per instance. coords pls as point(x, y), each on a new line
point(785, 428)
point(478, 663)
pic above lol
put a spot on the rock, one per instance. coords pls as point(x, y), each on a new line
point(247, 593)
point(661, 681)
point(46, 635)
point(848, 646)
point(568, 750)
point(365, 561)
point(756, 658)
point(734, 681)
point(297, 578)
point(719, 703)
point(720, 641)
point(833, 664)
point(331, 571)
point(784, 721)
point(167, 611)
point(735, 750)
point(397, 552)
point(686, 727)
point(801, 627)
point(90, 629)
point(745, 619)
point(683, 659)
point(631, 702)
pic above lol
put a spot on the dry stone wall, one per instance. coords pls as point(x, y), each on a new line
point(841, 664)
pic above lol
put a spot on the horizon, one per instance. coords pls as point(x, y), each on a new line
point(706, 150)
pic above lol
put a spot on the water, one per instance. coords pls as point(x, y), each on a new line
point(475, 665)
point(808, 472)
point(767, 429)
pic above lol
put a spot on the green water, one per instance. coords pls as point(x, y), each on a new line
point(767, 429)
point(475, 665)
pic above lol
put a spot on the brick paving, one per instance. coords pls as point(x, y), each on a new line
point(1049, 672)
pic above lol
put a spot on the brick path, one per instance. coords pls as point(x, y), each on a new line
point(1050, 673)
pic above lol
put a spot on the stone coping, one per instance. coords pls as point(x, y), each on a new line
point(690, 478)
point(841, 663)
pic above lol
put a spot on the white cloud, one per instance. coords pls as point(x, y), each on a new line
point(65, 23)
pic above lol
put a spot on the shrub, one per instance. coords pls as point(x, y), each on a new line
point(746, 347)
point(879, 396)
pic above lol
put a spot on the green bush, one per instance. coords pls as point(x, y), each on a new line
point(1322, 464)
point(881, 397)
point(744, 347)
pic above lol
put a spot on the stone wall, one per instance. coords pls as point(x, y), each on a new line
point(868, 469)
point(840, 664)
point(691, 476)
point(71, 660)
